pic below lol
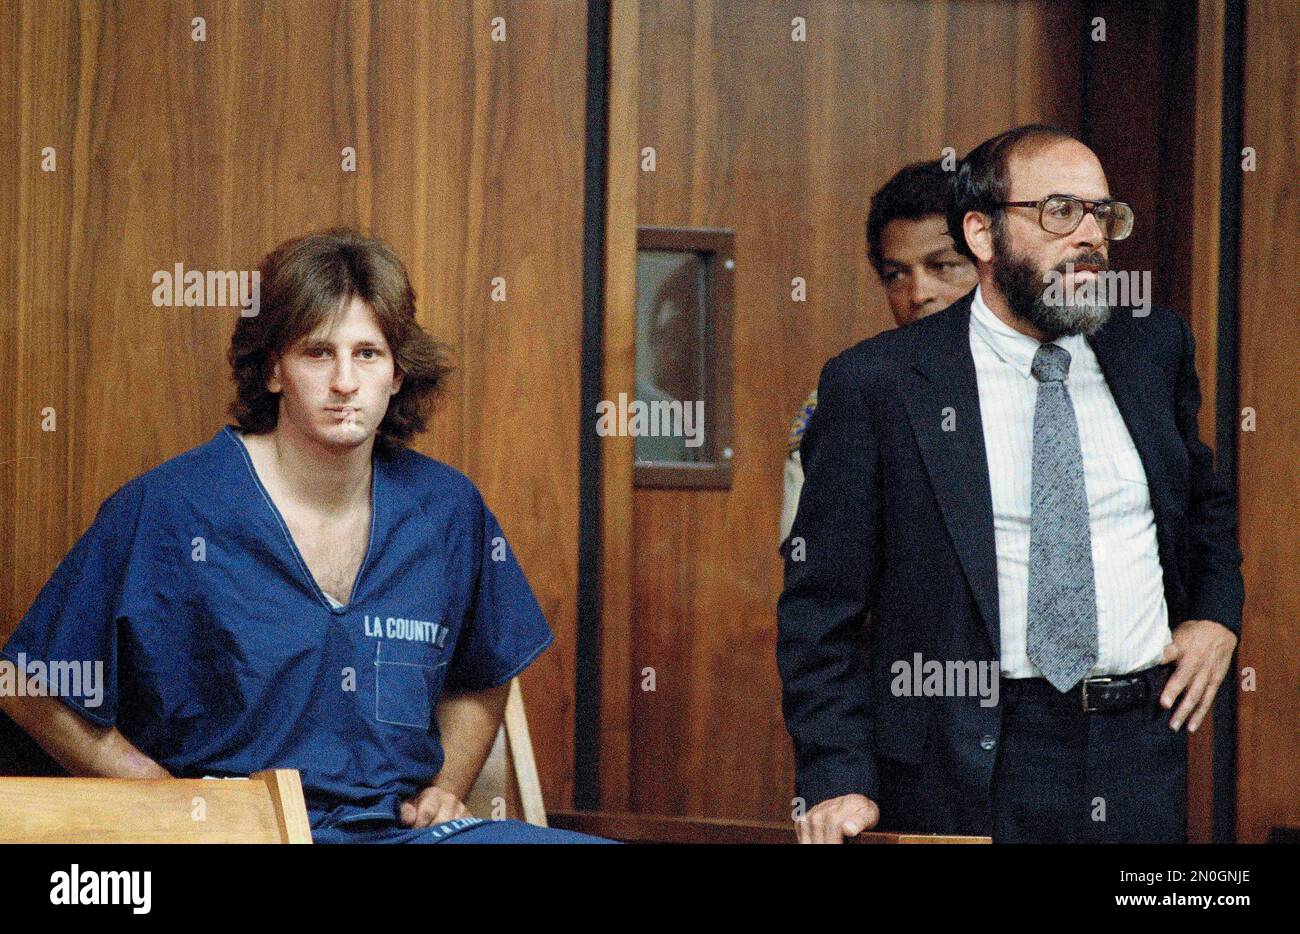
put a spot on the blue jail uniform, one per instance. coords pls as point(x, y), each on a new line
point(221, 656)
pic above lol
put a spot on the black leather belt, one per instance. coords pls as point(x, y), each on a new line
point(1109, 694)
point(1103, 694)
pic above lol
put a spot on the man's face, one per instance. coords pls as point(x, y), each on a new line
point(1024, 253)
point(921, 271)
point(335, 383)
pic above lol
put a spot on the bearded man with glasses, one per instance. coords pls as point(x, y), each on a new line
point(1014, 483)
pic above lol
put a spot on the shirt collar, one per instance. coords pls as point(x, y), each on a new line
point(1011, 347)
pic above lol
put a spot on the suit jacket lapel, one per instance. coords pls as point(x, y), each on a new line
point(941, 396)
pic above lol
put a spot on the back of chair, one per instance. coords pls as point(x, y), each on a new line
point(268, 807)
point(508, 785)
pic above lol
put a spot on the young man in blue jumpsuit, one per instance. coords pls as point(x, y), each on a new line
point(302, 591)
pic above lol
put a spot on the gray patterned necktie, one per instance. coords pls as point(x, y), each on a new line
point(1062, 635)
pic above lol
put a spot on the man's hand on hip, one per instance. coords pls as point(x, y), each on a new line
point(836, 818)
point(1203, 650)
point(431, 806)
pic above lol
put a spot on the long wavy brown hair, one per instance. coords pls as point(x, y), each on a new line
point(311, 279)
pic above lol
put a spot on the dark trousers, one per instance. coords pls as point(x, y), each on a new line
point(1060, 775)
point(1065, 776)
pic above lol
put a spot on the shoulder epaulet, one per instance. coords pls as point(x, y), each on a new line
point(800, 423)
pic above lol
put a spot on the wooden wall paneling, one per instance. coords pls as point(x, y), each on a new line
point(9, 245)
point(619, 678)
point(35, 462)
point(1138, 114)
point(1268, 751)
point(1205, 205)
point(1203, 310)
point(523, 356)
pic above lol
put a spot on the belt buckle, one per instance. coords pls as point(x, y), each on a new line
point(1085, 683)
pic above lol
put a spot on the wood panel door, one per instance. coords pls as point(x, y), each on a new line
point(781, 139)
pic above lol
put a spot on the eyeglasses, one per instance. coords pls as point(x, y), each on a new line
point(1062, 214)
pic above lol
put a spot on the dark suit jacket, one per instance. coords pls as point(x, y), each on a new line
point(896, 524)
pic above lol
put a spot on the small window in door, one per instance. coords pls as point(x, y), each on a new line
point(681, 414)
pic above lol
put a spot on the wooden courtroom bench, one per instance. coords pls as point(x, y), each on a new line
point(267, 807)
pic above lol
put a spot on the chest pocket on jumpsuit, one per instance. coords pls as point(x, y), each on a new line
point(408, 675)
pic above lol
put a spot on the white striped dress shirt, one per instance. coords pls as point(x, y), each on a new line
point(1132, 617)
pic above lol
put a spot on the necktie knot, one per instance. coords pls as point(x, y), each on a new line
point(1051, 364)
